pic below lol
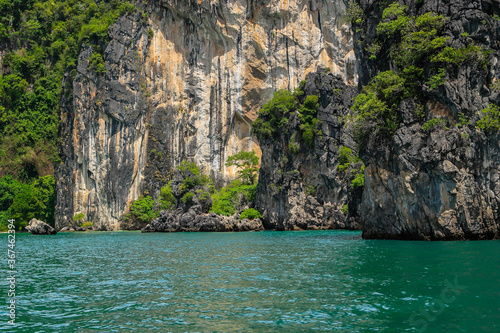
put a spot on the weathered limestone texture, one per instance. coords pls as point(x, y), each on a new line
point(184, 81)
point(440, 183)
point(300, 187)
point(37, 227)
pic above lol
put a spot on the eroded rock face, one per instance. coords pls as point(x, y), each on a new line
point(300, 186)
point(37, 227)
point(185, 83)
point(439, 186)
point(440, 183)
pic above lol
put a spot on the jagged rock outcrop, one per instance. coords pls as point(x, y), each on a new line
point(184, 81)
point(301, 187)
point(37, 227)
point(438, 182)
point(194, 220)
point(188, 200)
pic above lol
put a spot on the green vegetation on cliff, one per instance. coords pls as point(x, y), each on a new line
point(376, 108)
point(250, 213)
point(347, 160)
point(248, 166)
point(491, 119)
point(227, 200)
point(423, 59)
point(142, 210)
point(309, 124)
point(275, 114)
point(191, 187)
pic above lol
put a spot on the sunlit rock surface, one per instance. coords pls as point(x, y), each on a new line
point(182, 82)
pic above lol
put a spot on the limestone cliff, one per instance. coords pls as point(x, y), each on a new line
point(301, 185)
point(436, 182)
point(184, 80)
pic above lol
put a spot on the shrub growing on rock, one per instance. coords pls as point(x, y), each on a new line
point(142, 210)
point(309, 123)
point(248, 166)
point(375, 109)
point(188, 197)
point(166, 199)
point(87, 225)
point(274, 114)
point(434, 123)
point(491, 119)
point(250, 214)
point(228, 199)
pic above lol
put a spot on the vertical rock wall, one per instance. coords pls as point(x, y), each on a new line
point(300, 185)
point(184, 81)
point(440, 182)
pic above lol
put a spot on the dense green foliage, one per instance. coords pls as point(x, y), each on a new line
point(491, 119)
point(309, 123)
point(248, 166)
point(453, 57)
point(22, 202)
point(274, 115)
point(422, 57)
point(359, 177)
point(226, 201)
point(166, 199)
point(250, 214)
point(376, 108)
point(4, 221)
point(41, 39)
point(142, 210)
point(346, 159)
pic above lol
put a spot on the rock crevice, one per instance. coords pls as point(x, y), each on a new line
point(184, 82)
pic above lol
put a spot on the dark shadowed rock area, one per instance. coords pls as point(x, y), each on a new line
point(441, 183)
point(300, 186)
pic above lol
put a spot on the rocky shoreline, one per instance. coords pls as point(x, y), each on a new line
point(408, 160)
point(177, 221)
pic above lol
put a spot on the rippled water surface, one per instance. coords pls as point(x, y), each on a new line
point(251, 282)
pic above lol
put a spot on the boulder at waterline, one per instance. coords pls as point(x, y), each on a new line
point(37, 227)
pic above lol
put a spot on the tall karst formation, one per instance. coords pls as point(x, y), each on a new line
point(436, 176)
point(184, 79)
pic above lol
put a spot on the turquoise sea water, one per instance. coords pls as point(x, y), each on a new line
point(251, 282)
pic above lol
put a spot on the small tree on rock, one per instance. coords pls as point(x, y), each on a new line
point(247, 163)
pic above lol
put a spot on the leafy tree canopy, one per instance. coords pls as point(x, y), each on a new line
point(248, 165)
